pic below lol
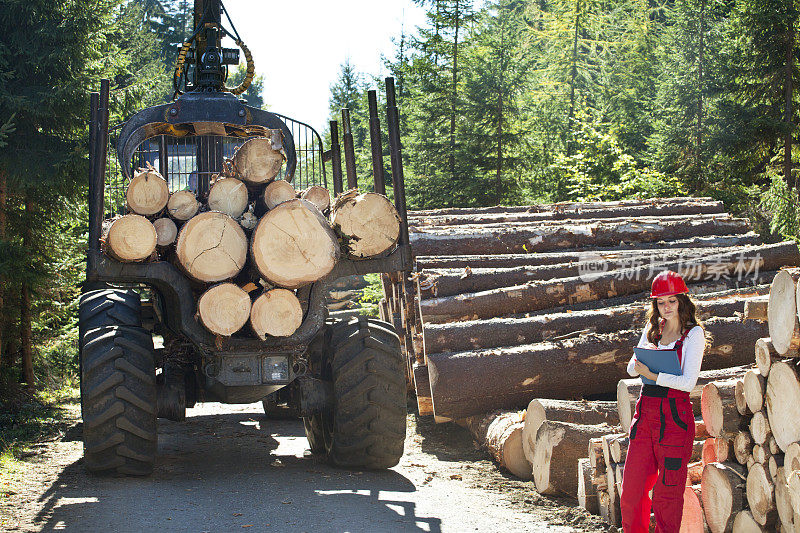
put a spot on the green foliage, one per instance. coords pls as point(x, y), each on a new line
point(371, 295)
point(254, 95)
point(781, 203)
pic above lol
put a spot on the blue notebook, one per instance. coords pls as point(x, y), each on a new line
point(658, 361)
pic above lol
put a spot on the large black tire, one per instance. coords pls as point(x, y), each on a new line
point(118, 401)
point(367, 426)
point(108, 307)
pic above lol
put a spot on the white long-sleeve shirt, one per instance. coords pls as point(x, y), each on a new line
point(691, 359)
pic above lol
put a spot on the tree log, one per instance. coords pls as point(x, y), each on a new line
point(791, 459)
point(739, 398)
point(756, 309)
point(559, 445)
point(793, 481)
point(587, 492)
point(766, 355)
point(784, 328)
point(539, 295)
point(147, 193)
point(774, 464)
point(224, 309)
point(722, 494)
point(501, 433)
point(692, 520)
point(638, 211)
point(276, 313)
point(754, 384)
point(491, 333)
point(534, 238)
point(761, 496)
point(182, 205)
point(745, 523)
point(130, 238)
point(783, 403)
point(759, 428)
point(166, 231)
point(772, 444)
point(575, 412)
point(258, 161)
point(277, 192)
point(422, 386)
point(718, 407)
point(742, 446)
point(368, 220)
point(789, 518)
point(211, 247)
point(229, 196)
point(293, 245)
point(628, 392)
point(761, 454)
point(319, 196)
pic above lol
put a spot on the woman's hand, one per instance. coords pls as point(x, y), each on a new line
point(643, 370)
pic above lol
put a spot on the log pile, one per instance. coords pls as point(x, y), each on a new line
point(538, 308)
point(253, 245)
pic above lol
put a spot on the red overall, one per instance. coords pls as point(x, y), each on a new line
point(661, 438)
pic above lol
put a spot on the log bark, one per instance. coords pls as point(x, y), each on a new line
point(511, 376)
point(166, 232)
point(539, 295)
point(211, 247)
point(759, 428)
point(718, 406)
point(784, 328)
point(440, 282)
point(182, 205)
point(258, 161)
point(722, 494)
point(147, 193)
point(587, 492)
point(422, 386)
point(575, 412)
point(559, 445)
point(761, 496)
point(130, 238)
point(754, 384)
point(276, 313)
point(691, 246)
point(277, 192)
point(542, 239)
point(783, 403)
point(229, 196)
point(293, 245)
point(742, 446)
point(756, 309)
point(628, 392)
point(224, 309)
point(618, 448)
point(683, 208)
point(491, 333)
point(501, 434)
point(369, 221)
point(319, 196)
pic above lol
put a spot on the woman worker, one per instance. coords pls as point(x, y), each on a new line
point(662, 430)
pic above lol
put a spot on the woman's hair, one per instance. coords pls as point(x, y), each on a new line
point(687, 312)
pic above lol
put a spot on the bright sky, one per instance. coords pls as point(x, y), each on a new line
point(299, 45)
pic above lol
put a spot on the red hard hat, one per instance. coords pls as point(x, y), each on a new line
point(668, 283)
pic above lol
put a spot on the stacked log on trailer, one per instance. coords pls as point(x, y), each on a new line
point(253, 246)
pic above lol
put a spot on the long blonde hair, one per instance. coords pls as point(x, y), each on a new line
point(687, 313)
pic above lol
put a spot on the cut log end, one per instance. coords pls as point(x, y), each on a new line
point(782, 311)
point(319, 196)
point(130, 238)
point(224, 309)
point(229, 196)
point(147, 193)
point(166, 231)
point(277, 313)
point(277, 192)
point(211, 247)
point(182, 205)
point(722, 495)
point(369, 221)
point(783, 403)
point(257, 162)
point(760, 495)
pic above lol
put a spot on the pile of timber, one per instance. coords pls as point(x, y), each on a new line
point(253, 246)
point(536, 288)
point(746, 474)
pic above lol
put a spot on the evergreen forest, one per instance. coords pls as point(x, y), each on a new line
point(502, 102)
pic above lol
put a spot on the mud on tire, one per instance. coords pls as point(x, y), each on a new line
point(118, 400)
point(368, 424)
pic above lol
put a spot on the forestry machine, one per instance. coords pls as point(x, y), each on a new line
point(144, 355)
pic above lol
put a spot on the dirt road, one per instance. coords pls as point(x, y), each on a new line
point(228, 468)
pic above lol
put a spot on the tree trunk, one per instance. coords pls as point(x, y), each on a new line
point(587, 492)
point(783, 403)
point(224, 309)
point(147, 193)
point(741, 401)
point(718, 405)
point(276, 313)
point(3, 312)
point(25, 326)
point(166, 232)
point(319, 196)
point(754, 384)
point(761, 496)
point(559, 445)
point(258, 161)
point(211, 247)
point(130, 238)
point(788, 111)
point(789, 517)
point(422, 386)
point(519, 239)
point(229, 196)
point(722, 494)
point(784, 329)
point(277, 192)
point(628, 392)
point(756, 309)
point(742, 446)
point(534, 296)
point(501, 433)
point(182, 205)
point(627, 211)
point(368, 221)
point(510, 377)
point(454, 95)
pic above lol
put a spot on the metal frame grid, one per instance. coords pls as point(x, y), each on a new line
point(176, 159)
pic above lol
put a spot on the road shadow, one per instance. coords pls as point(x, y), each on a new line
point(226, 472)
